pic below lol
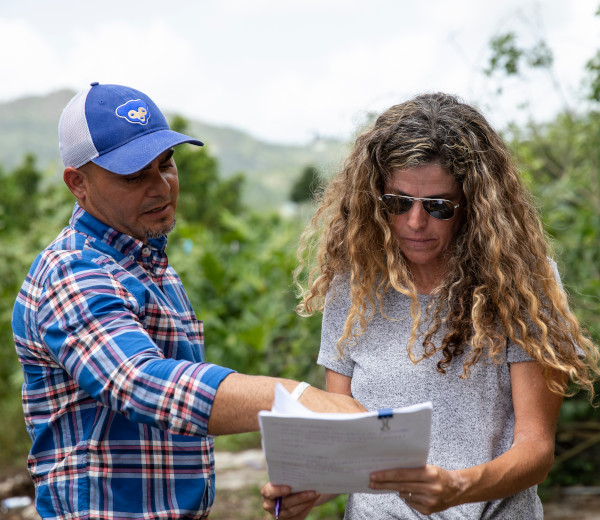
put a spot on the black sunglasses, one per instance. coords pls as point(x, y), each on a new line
point(441, 209)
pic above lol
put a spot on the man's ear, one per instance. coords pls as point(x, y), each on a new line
point(76, 182)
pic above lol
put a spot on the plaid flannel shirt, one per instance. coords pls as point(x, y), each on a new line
point(117, 395)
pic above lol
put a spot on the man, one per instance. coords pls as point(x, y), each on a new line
point(118, 400)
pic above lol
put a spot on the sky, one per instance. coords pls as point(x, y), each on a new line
point(287, 71)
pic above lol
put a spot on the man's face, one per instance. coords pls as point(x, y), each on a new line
point(141, 205)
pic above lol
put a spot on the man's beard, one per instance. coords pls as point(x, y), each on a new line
point(150, 233)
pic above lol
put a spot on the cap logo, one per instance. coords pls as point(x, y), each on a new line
point(134, 111)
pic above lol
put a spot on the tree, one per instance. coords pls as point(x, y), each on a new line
point(507, 57)
point(19, 201)
point(561, 161)
point(307, 185)
point(204, 197)
point(593, 69)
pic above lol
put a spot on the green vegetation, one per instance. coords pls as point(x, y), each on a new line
point(307, 186)
point(236, 259)
point(561, 161)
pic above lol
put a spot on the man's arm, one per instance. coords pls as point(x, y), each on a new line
point(240, 397)
point(90, 325)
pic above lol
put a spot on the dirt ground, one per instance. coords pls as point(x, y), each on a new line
point(240, 476)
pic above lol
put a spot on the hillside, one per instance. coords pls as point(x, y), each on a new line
point(28, 125)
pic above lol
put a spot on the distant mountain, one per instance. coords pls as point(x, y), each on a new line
point(29, 125)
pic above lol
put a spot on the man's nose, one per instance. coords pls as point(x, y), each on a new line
point(159, 183)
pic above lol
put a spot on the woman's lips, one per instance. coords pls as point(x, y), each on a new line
point(417, 242)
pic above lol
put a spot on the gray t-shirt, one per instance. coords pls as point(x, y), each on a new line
point(473, 418)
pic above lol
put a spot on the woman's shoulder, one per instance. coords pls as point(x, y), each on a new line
point(338, 293)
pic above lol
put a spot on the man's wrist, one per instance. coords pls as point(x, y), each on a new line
point(299, 390)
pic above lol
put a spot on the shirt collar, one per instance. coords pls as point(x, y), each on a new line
point(85, 223)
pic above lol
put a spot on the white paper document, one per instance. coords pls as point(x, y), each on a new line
point(336, 452)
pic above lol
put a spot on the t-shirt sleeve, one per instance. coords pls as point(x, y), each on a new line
point(337, 304)
point(516, 354)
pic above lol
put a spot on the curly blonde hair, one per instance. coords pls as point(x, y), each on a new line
point(499, 283)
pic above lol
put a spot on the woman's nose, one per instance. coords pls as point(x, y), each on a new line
point(416, 216)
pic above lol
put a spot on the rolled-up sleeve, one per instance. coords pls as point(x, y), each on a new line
point(92, 327)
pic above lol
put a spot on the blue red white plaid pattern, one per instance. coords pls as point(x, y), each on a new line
point(117, 395)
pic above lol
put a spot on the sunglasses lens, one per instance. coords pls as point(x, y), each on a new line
point(396, 205)
point(437, 208)
point(440, 209)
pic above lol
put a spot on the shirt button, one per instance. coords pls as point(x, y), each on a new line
point(146, 251)
point(131, 257)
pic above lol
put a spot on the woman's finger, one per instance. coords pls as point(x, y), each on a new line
point(293, 506)
point(270, 491)
point(297, 506)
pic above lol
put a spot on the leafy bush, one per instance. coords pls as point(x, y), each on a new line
point(562, 163)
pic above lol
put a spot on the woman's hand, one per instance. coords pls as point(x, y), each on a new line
point(429, 489)
point(294, 506)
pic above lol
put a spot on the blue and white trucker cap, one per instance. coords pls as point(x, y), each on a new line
point(116, 127)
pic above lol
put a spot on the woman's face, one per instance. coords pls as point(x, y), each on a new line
point(424, 240)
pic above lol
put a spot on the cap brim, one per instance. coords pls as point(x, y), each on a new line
point(140, 152)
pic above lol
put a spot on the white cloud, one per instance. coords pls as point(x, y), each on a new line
point(152, 60)
point(28, 60)
point(287, 70)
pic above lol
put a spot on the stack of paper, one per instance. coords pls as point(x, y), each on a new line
point(336, 452)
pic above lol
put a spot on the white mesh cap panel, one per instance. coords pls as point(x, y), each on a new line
point(74, 138)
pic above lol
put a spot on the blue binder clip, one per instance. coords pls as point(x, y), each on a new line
point(384, 415)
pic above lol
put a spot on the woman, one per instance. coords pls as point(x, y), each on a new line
point(433, 272)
